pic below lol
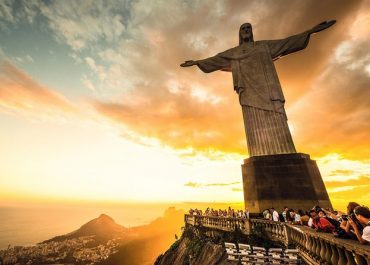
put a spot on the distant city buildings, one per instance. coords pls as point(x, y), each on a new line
point(82, 250)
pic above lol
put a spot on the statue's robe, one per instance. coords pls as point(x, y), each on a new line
point(260, 94)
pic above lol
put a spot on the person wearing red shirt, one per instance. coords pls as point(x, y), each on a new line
point(320, 223)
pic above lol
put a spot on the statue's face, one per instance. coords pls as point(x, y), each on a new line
point(246, 32)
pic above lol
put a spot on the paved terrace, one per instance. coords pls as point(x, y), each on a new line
point(314, 247)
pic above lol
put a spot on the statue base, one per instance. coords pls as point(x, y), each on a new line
point(291, 180)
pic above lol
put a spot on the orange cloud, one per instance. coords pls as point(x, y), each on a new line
point(361, 181)
point(180, 119)
point(20, 94)
point(192, 185)
point(186, 109)
point(337, 114)
point(341, 172)
point(354, 189)
point(359, 194)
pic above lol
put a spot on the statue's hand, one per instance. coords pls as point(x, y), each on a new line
point(188, 63)
point(322, 26)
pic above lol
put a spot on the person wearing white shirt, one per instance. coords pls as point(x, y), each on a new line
point(275, 215)
point(363, 216)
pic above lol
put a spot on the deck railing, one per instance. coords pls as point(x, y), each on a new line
point(221, 223)
point(324, 248)
point(314, 247)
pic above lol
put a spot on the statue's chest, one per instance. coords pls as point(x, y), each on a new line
point(253, 59)
point(247, 51)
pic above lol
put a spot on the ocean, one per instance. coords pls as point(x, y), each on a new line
point(28, 225)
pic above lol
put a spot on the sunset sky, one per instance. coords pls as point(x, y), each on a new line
point(94, 105)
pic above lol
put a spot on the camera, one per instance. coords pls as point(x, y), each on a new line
point(352, 216)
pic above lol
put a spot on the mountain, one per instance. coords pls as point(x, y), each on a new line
point(143, 244)
point(139, 245)
point(102, 241)
point(103, 228)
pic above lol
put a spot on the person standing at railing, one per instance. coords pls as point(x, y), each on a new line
point(362, 214)
point(266, 214)
point(296, 218)
point(304, 217)
point(284, 214)
point(246, 213)
point(345, 225)
point(321, 224)
point(275, 215)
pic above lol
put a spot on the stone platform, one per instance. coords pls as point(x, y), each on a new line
point(291, 180)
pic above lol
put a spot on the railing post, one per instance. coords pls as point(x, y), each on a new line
point(248, 226)
point(308, 242)
point(328, 253)
point(314, 247)
point(350, 258)
point(342, 257)
point(311, 247)
point(360, 260)
point(335, 255)
point(287, 239)
point(273, 230)
point(322, 250)
point(318, 248)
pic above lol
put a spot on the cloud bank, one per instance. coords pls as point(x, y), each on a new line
point(133, 50)
point(20, 94)
point(185, 108)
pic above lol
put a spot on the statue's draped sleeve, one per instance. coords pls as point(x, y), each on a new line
point(214, 63)
point(282, 47)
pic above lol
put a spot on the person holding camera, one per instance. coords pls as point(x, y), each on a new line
point(362, 214)
point(345, 225)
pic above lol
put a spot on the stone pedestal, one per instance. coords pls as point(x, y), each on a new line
point(291, 180)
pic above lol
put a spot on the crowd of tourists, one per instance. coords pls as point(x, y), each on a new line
point(354, 224)
point(220, 213)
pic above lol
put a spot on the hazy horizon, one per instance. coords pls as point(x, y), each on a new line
point(27, 224)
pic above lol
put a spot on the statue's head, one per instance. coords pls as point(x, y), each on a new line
point(245, 33)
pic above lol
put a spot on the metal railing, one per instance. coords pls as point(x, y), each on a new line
point(314, 247)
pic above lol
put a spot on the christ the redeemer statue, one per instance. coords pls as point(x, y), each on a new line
point(257, 84)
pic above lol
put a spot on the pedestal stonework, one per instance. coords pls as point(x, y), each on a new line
point(291, 180)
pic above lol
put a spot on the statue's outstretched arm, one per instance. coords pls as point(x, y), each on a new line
point(210, 64)
point(322, 26)
point(282, 47)
point(189, 63)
